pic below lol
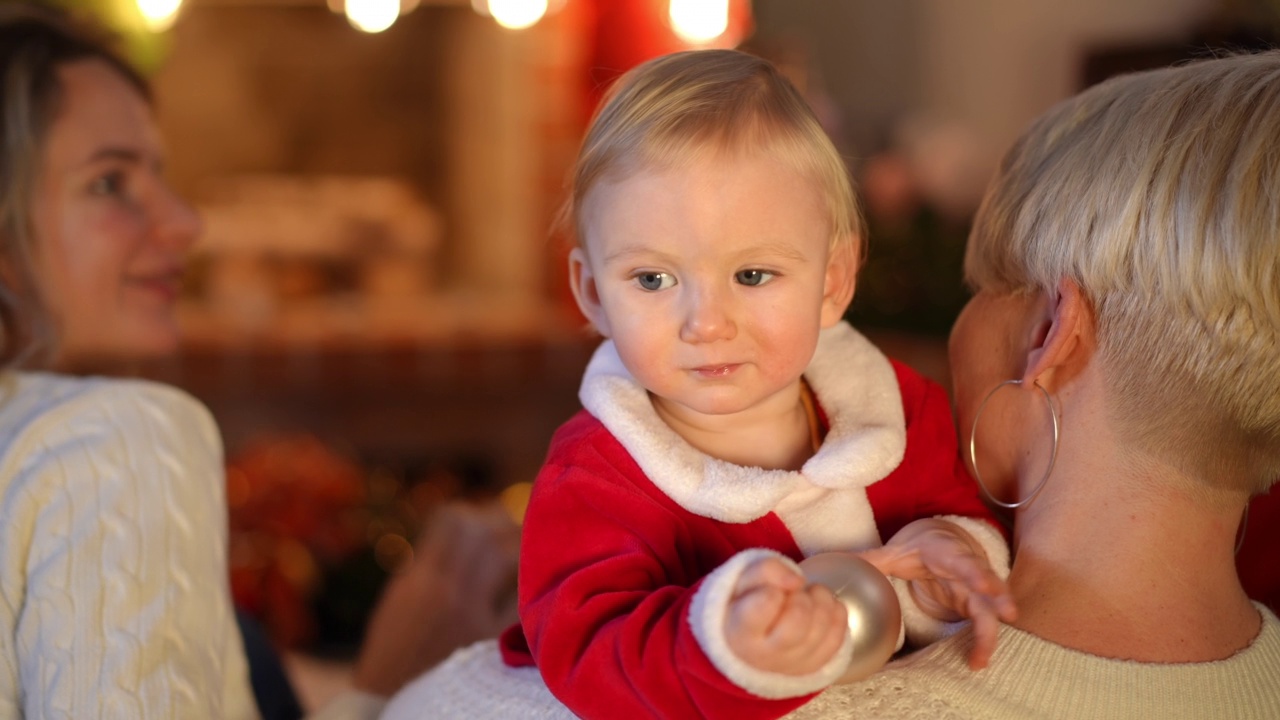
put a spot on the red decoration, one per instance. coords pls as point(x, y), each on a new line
point(296, 507)
point(625, 33)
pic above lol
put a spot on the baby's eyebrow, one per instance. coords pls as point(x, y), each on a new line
point(779, 249)
point(629, 250)
point(776, 249)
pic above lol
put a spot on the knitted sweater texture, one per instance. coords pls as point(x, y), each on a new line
point(1028, 678)
point(114, 598)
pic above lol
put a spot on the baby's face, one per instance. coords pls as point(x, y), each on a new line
point(712, 279)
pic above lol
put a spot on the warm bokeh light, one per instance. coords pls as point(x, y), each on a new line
point(393, 553)
point(159, 14)
point(372, 16)
point(517, 14)
point(699, 21)
point(515, 500)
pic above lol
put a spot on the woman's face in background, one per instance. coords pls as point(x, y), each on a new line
point(111, 234)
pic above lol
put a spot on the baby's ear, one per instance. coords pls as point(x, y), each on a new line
point(582, 281)
point(841, 278)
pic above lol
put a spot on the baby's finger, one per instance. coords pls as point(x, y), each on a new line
point(827, 637)
point(1005, 607)
point(974, 573)
point(756, 611)
point(770, 572)
point(986, 627)
point(792, 623)
point(980, 579)
point(831, 623)
point(894, 562)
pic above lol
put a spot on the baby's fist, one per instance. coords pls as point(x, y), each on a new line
point(778, 623)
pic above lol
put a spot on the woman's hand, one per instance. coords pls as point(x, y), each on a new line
point(779, 623)
point(951, 579)
point(458, 588)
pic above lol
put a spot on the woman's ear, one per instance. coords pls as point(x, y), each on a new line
point(582, 281)
point(841, 279)
point(1062, 337)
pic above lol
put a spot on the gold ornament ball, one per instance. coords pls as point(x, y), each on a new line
point(874, 614)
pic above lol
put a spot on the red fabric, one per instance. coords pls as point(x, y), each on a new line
point(1258, 561)
point(932, 478)
point(626, 33)
point(610, 564)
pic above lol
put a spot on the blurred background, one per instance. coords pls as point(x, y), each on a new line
point(377, 314)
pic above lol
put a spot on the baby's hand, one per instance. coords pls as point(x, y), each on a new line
point(776, 622)
point(951, 579)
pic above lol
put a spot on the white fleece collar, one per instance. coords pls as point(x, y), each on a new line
point(855, 385)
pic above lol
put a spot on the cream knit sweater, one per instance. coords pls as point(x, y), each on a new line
point(1028, 678)
point(114, 598)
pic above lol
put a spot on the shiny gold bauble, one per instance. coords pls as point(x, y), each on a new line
point(874, 614)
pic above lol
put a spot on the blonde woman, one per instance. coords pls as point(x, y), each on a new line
point(1126, 264)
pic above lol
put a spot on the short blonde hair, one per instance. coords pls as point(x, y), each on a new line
point(1159, 194)
point(678, 106)
point(35, 42)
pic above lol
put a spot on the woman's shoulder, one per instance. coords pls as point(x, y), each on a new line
point(50, 406)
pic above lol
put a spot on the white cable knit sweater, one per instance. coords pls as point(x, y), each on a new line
point(114, 597)
point(1028, 678)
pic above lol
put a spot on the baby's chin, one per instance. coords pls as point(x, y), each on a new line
point(714, 404)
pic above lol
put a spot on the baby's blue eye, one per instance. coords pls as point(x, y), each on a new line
point(655, 280)
point(753, 277)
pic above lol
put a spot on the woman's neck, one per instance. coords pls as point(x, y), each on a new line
point(1120, 562)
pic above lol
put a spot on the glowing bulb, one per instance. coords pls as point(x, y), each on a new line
point(517, 14)
point(372, 16)
point(699, 21)
point(159, 14)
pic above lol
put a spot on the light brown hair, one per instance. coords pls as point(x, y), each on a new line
point(675, 107)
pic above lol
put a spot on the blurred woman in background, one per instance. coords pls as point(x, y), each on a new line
point(113, 566)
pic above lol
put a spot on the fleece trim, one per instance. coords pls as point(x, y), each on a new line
point(824, 504)
point(707, 614)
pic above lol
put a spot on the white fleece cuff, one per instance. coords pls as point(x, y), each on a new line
point(989, 538)
point(707, 614)
point(921, 628)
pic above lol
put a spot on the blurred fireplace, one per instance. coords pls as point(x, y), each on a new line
point(477, 123)
point(376, 268)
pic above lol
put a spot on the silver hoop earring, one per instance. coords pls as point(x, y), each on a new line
point(973, 453)
point(1244, 528)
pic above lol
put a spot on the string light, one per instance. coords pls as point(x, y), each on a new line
point(517, 14)
point(159, 14)
point(699, 21)
point(372, 16)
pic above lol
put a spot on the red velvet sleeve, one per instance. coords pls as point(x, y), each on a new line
point(932, 479)
point(609, 567)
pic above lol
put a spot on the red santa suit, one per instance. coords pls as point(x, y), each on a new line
point(634, 541)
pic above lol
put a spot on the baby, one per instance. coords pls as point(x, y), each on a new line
point(733, 423)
